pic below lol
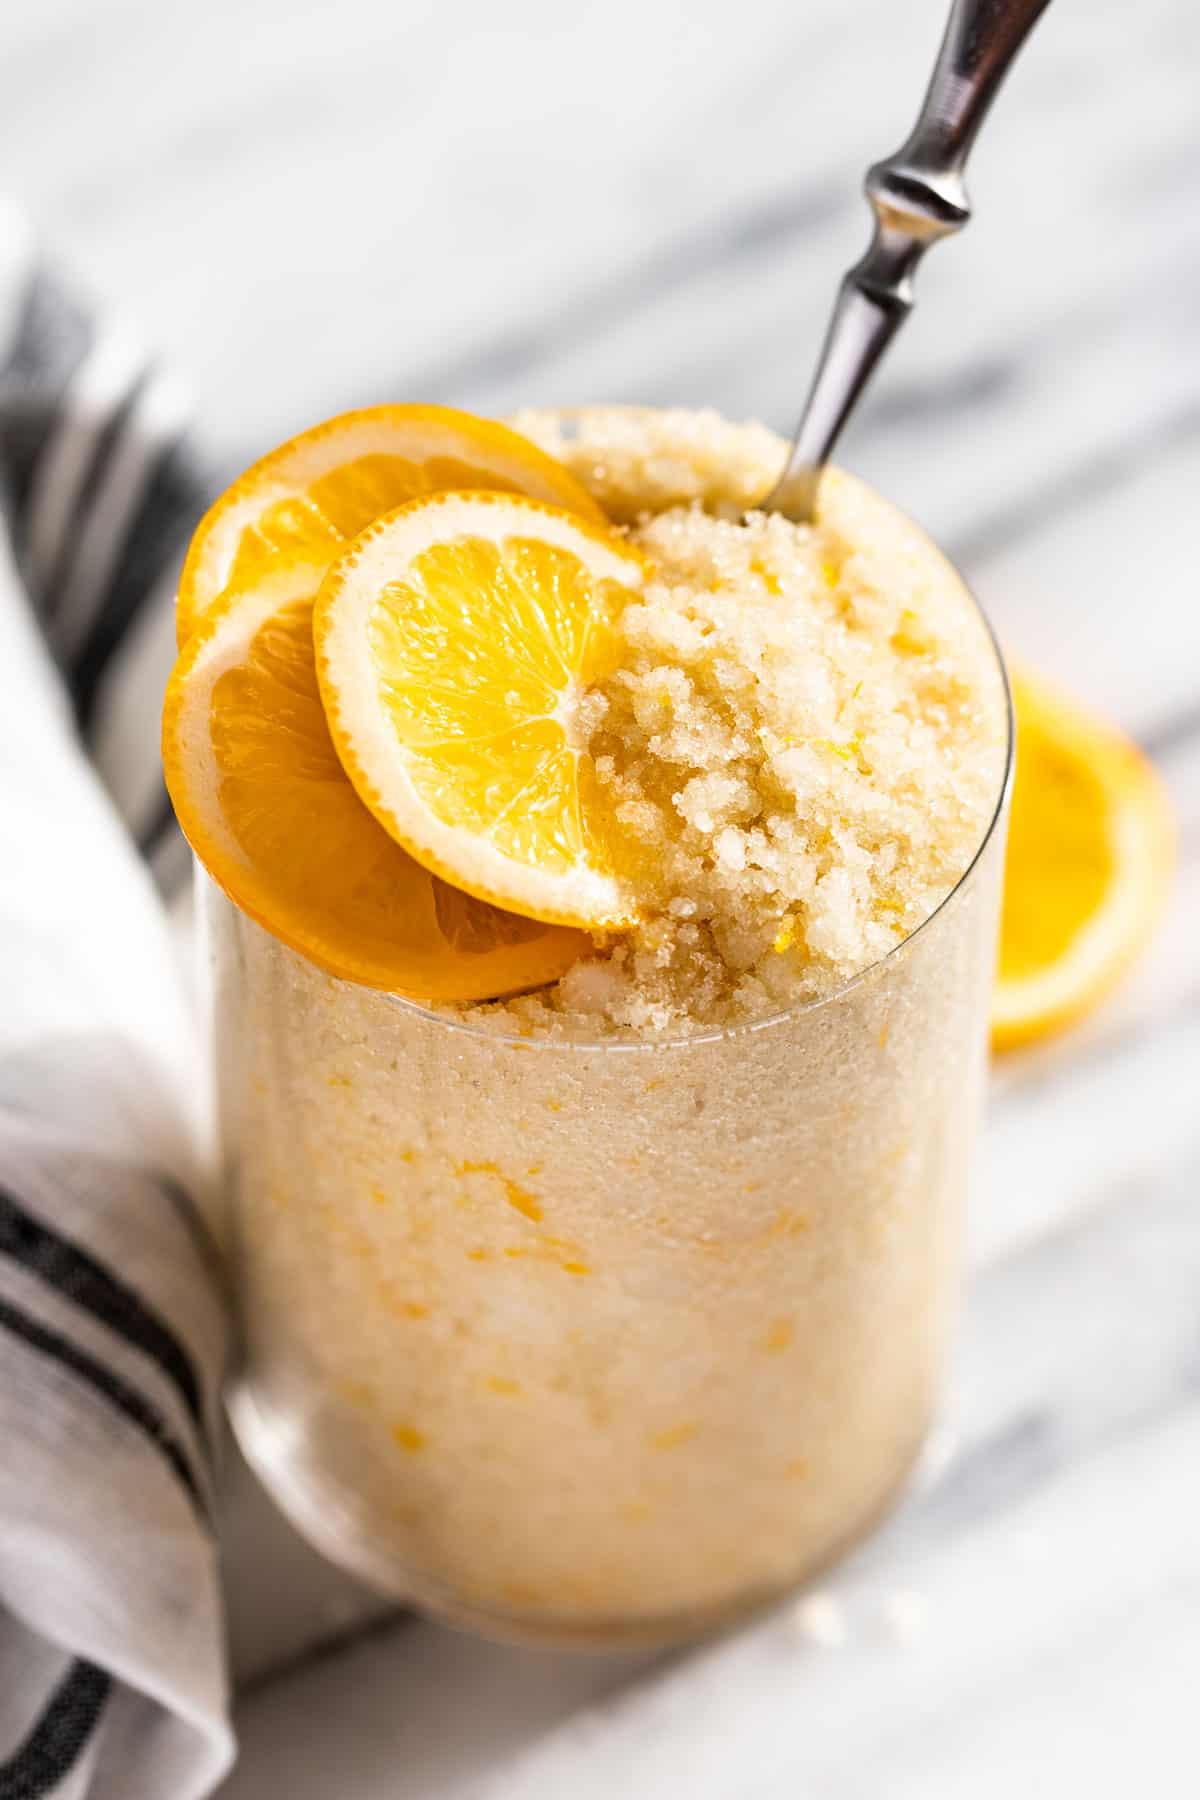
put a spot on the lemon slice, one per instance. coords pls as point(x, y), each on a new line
point(265, 804)
point(309, 497)
point(1090, 850)
point(454, 640)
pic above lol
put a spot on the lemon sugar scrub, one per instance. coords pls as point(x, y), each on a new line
point(799, 739)
point(601, 979)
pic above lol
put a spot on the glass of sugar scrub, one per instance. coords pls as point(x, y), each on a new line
point(605, 1312)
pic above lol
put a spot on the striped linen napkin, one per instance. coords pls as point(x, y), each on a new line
point(113, 1328)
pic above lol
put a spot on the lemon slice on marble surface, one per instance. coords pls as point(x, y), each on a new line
point(264, 802)
point(454, 640)
point(309, 497)
point(1090, 851)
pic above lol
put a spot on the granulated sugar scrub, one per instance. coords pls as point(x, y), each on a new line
point(598, 1288)
point(802, 735)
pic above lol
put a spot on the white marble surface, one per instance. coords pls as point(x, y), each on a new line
point(650, 200)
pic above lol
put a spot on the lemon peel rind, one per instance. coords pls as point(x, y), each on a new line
point(281, 473)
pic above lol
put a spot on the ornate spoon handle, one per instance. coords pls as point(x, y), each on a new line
point(918, 196)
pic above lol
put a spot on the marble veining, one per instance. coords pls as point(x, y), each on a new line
point(309, 209)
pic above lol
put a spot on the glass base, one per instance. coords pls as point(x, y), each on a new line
point(332, 1529)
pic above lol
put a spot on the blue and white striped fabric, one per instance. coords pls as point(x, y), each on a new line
point(113, 1328)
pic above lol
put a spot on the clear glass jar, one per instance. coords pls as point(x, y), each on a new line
point(596, 1342)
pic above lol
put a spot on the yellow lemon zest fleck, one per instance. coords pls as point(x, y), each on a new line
point(408, 1437)
point(847, 751)
point(405, 1309)
point(767, 576)
point(519, 1198)
point(906, 638)
point(779, 1335)
point(522, 1201)
point(549, 1249)
point(786, 936)
point(673, 1436)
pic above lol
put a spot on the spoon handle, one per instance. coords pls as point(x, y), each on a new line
point(917, 195)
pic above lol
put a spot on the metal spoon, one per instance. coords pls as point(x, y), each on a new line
point(918, 196)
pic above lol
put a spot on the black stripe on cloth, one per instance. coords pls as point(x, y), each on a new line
point(196, 1226)
point(165, 848)
point(59, 1737)
point(173, 500)
point(158, 826)
point(54, 334)
point(135, 1407)
point(62, 1265)
point(114, 428)
point(171, 865)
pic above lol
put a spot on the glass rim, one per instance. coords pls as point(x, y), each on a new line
point(626, 1044)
